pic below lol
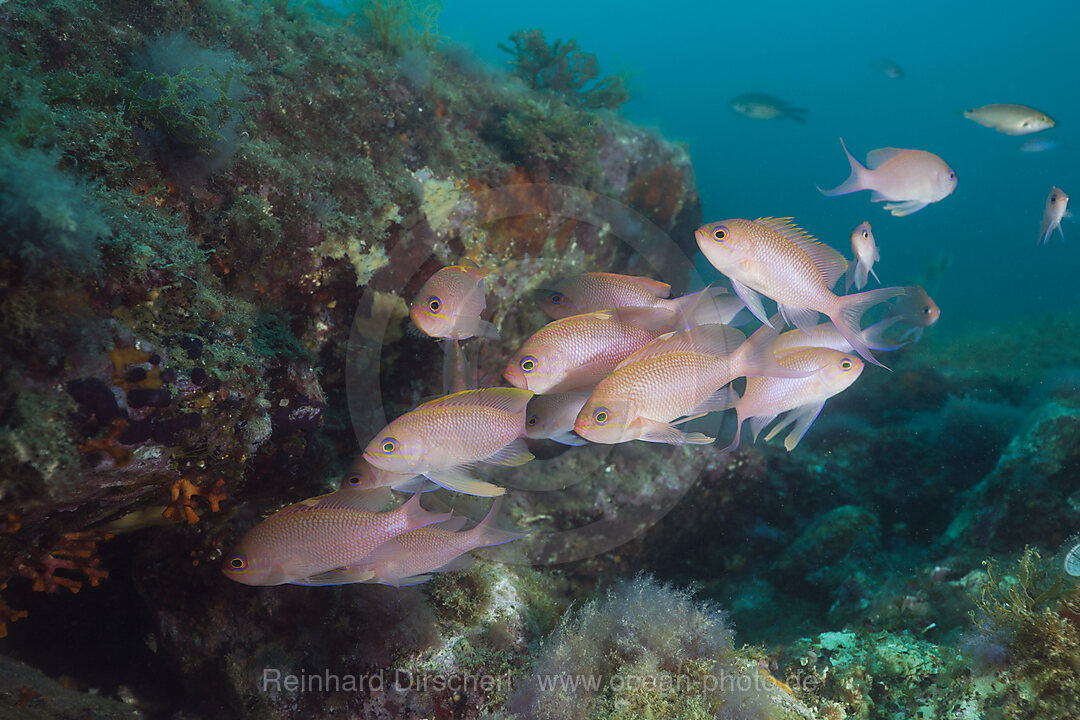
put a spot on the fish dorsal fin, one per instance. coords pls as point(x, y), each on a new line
point(512, 400)
point(877, 158)
point(653, 287)
point(705, 339)
point(346, 499)
point(831, 264)
point(473, 270)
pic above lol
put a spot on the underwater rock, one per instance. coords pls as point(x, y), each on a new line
point(29, 694)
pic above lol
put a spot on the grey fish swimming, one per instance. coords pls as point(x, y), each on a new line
point(759, 106)
point(1010, 119)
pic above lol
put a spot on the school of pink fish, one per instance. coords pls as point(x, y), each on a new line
point(620, 361)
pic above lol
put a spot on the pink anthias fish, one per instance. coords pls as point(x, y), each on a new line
point(590, 292)
point(435, 549)
point(576, 352)
point(825, 335)
point(1057, 204)
point(443, 439)
point(450, 303)
point(551, 417)
point(765, 398)
point(908, 180)
point(363, 475)
point(778, 259)
point(865, 250)
point(304, 543)
point(675, 379)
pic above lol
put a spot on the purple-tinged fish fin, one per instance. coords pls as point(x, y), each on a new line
point(416, 516)
point(569, 438)
point(515, 454)
point(758, 423)
point(372, 500)
point(452, 525)
point(738, 433)
point(904, 209)
point(915, 332)
point(458, 374)
point(859, 179)
point(874, 336)
point(718, 340)
point(878, 196)
point(721, 400)
point(486, 329)
point(1045, 229)
point(804, 319)
point(870, 270)
point(406, 581)
point(458, 480)
point(414, 484)
point(831, 264)
point(751, 299)
point(487, 533)
point(756, 356)
point(877, 158)
point(802, 417)
point(848, 314)
point(338, 576)
point(661, 432)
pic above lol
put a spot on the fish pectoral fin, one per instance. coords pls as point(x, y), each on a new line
point(514, 454)
point(403, 581)
point(338, 576)
point(802, 418)
point(486, 329)
point(804, 319)
point(661, 432)
point(721, 400)
point(458, 479)
point(752, 300)
point(905, 208)
point(569, 438)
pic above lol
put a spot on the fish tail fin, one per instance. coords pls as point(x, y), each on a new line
point(848, 314)
point(859, 179)
point(486, 533)
point(417, 517)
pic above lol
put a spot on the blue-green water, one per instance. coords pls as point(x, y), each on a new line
point(686, 61)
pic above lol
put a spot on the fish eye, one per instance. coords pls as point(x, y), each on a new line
point(532, 420)
point(720, 234)
point(952, 174)
point(389, 446)
point(238, 562)
point(434, 304)
point(600, 416)
point(865, 234)
point(556, 298)
point(528, 363)
point(353, 480)
point(1026, 123)
point(1053, 198)
point(927, 310)
point(846, 364)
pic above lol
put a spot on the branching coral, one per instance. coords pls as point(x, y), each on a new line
point(564, 68)
point(397, 25)
point(182, 494)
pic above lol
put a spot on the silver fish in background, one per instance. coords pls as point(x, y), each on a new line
point(450, 302)
point(864, 248)
point(593, 292)
point(1010, 119)
point(780, 260)
point(759, 106)
point(1038, 145)
point(551, 417)
point(888, 68)
point(765, 398)
point(1057, 204)
point(907, 180)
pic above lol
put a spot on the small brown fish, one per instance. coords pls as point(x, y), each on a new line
point(450, 302)
point(305, 542)
point(760, 106)
point(436, 549)
point(831, 372)
point(778, 259)
point(551, 417)
point(444, 438)
point(908, 179)
point(680, 375)
point(593, 292)
point(916, 310)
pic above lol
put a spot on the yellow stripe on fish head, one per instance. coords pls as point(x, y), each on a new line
point(725, 244)
point(537, 366)
point(839, 374)
point(254, 562)
point(397, 448)
point(605, 420)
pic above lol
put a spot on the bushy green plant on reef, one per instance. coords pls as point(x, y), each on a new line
point(564, 68)
point(1037, 613)
point(398, 25)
